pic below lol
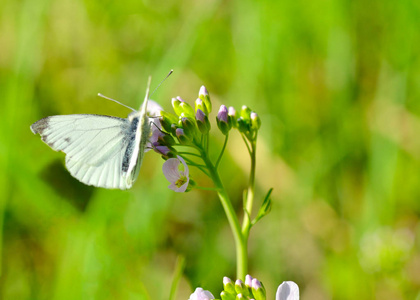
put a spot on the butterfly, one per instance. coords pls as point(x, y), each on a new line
point(102, 151)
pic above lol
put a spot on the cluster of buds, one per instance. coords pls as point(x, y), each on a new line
point(247, 121)
point(251, 289)
point(187, 123)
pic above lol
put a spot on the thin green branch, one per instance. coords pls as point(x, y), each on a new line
point(246, 224)
point(246, 143)
point(190, 153)
point(202, 168)
point(222, 151)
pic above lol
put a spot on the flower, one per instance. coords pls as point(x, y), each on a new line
point(200, 294)
point(178, 178)
point(288, 290)
point(153, 111)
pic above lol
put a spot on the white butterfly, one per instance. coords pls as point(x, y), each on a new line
point(102, 151)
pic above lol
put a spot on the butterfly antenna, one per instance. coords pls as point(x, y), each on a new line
point(166, 77)
point(100, 95)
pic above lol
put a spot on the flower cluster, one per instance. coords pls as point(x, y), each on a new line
point(252, 289)
point(190, 127)
point(246, 121)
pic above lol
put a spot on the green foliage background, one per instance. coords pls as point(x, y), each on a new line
point(337, 86)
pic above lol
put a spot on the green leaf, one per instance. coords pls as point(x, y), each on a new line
point(265, 207)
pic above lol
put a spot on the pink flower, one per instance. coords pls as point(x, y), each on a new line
point(200, 294)
point(177, 174)
point(153, 110)
point(288, 290)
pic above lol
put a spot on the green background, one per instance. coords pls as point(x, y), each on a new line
point(337, 86)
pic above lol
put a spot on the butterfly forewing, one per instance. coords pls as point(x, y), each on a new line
point(95, 145)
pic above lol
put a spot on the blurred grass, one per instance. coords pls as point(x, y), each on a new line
point(336, 84)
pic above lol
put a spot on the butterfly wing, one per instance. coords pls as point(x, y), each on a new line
point(97, 147)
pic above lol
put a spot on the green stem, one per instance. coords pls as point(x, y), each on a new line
point(189, 153)
point(222, 151)
point(246, 143)
point(200, 167)
point(246, 224)
point(179, 269)
point(240, 241)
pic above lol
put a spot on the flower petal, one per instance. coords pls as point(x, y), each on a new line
point(153, 109)
point(200, 294)
point(176, 177)
point(186, 170)
point(170, 170)
point(288, 290)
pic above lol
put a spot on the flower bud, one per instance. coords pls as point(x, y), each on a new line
point(239, 286)
point(245, 113)
point(166, 120)
point(203, 94)
point(243, 126)
point(232, 116)
point(176, 106)
point(165, 123)
point(226, 296)
point(189, 127)
point(187, 110)
point(223, 120)
point(202, 121)
point(228, 285)
point(173, 129)
point(199, 104)
point(166, 139)
point(258, 290)
point(183, 139)
point(162, 150)
point(255, 121)
point(248, 281)
point(240, 297)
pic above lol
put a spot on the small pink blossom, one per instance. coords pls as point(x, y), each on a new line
point(153, 110)
point(200, 294)
point(288, 290)
point(176, 173)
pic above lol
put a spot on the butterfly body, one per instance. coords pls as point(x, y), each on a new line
point(102, 151)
